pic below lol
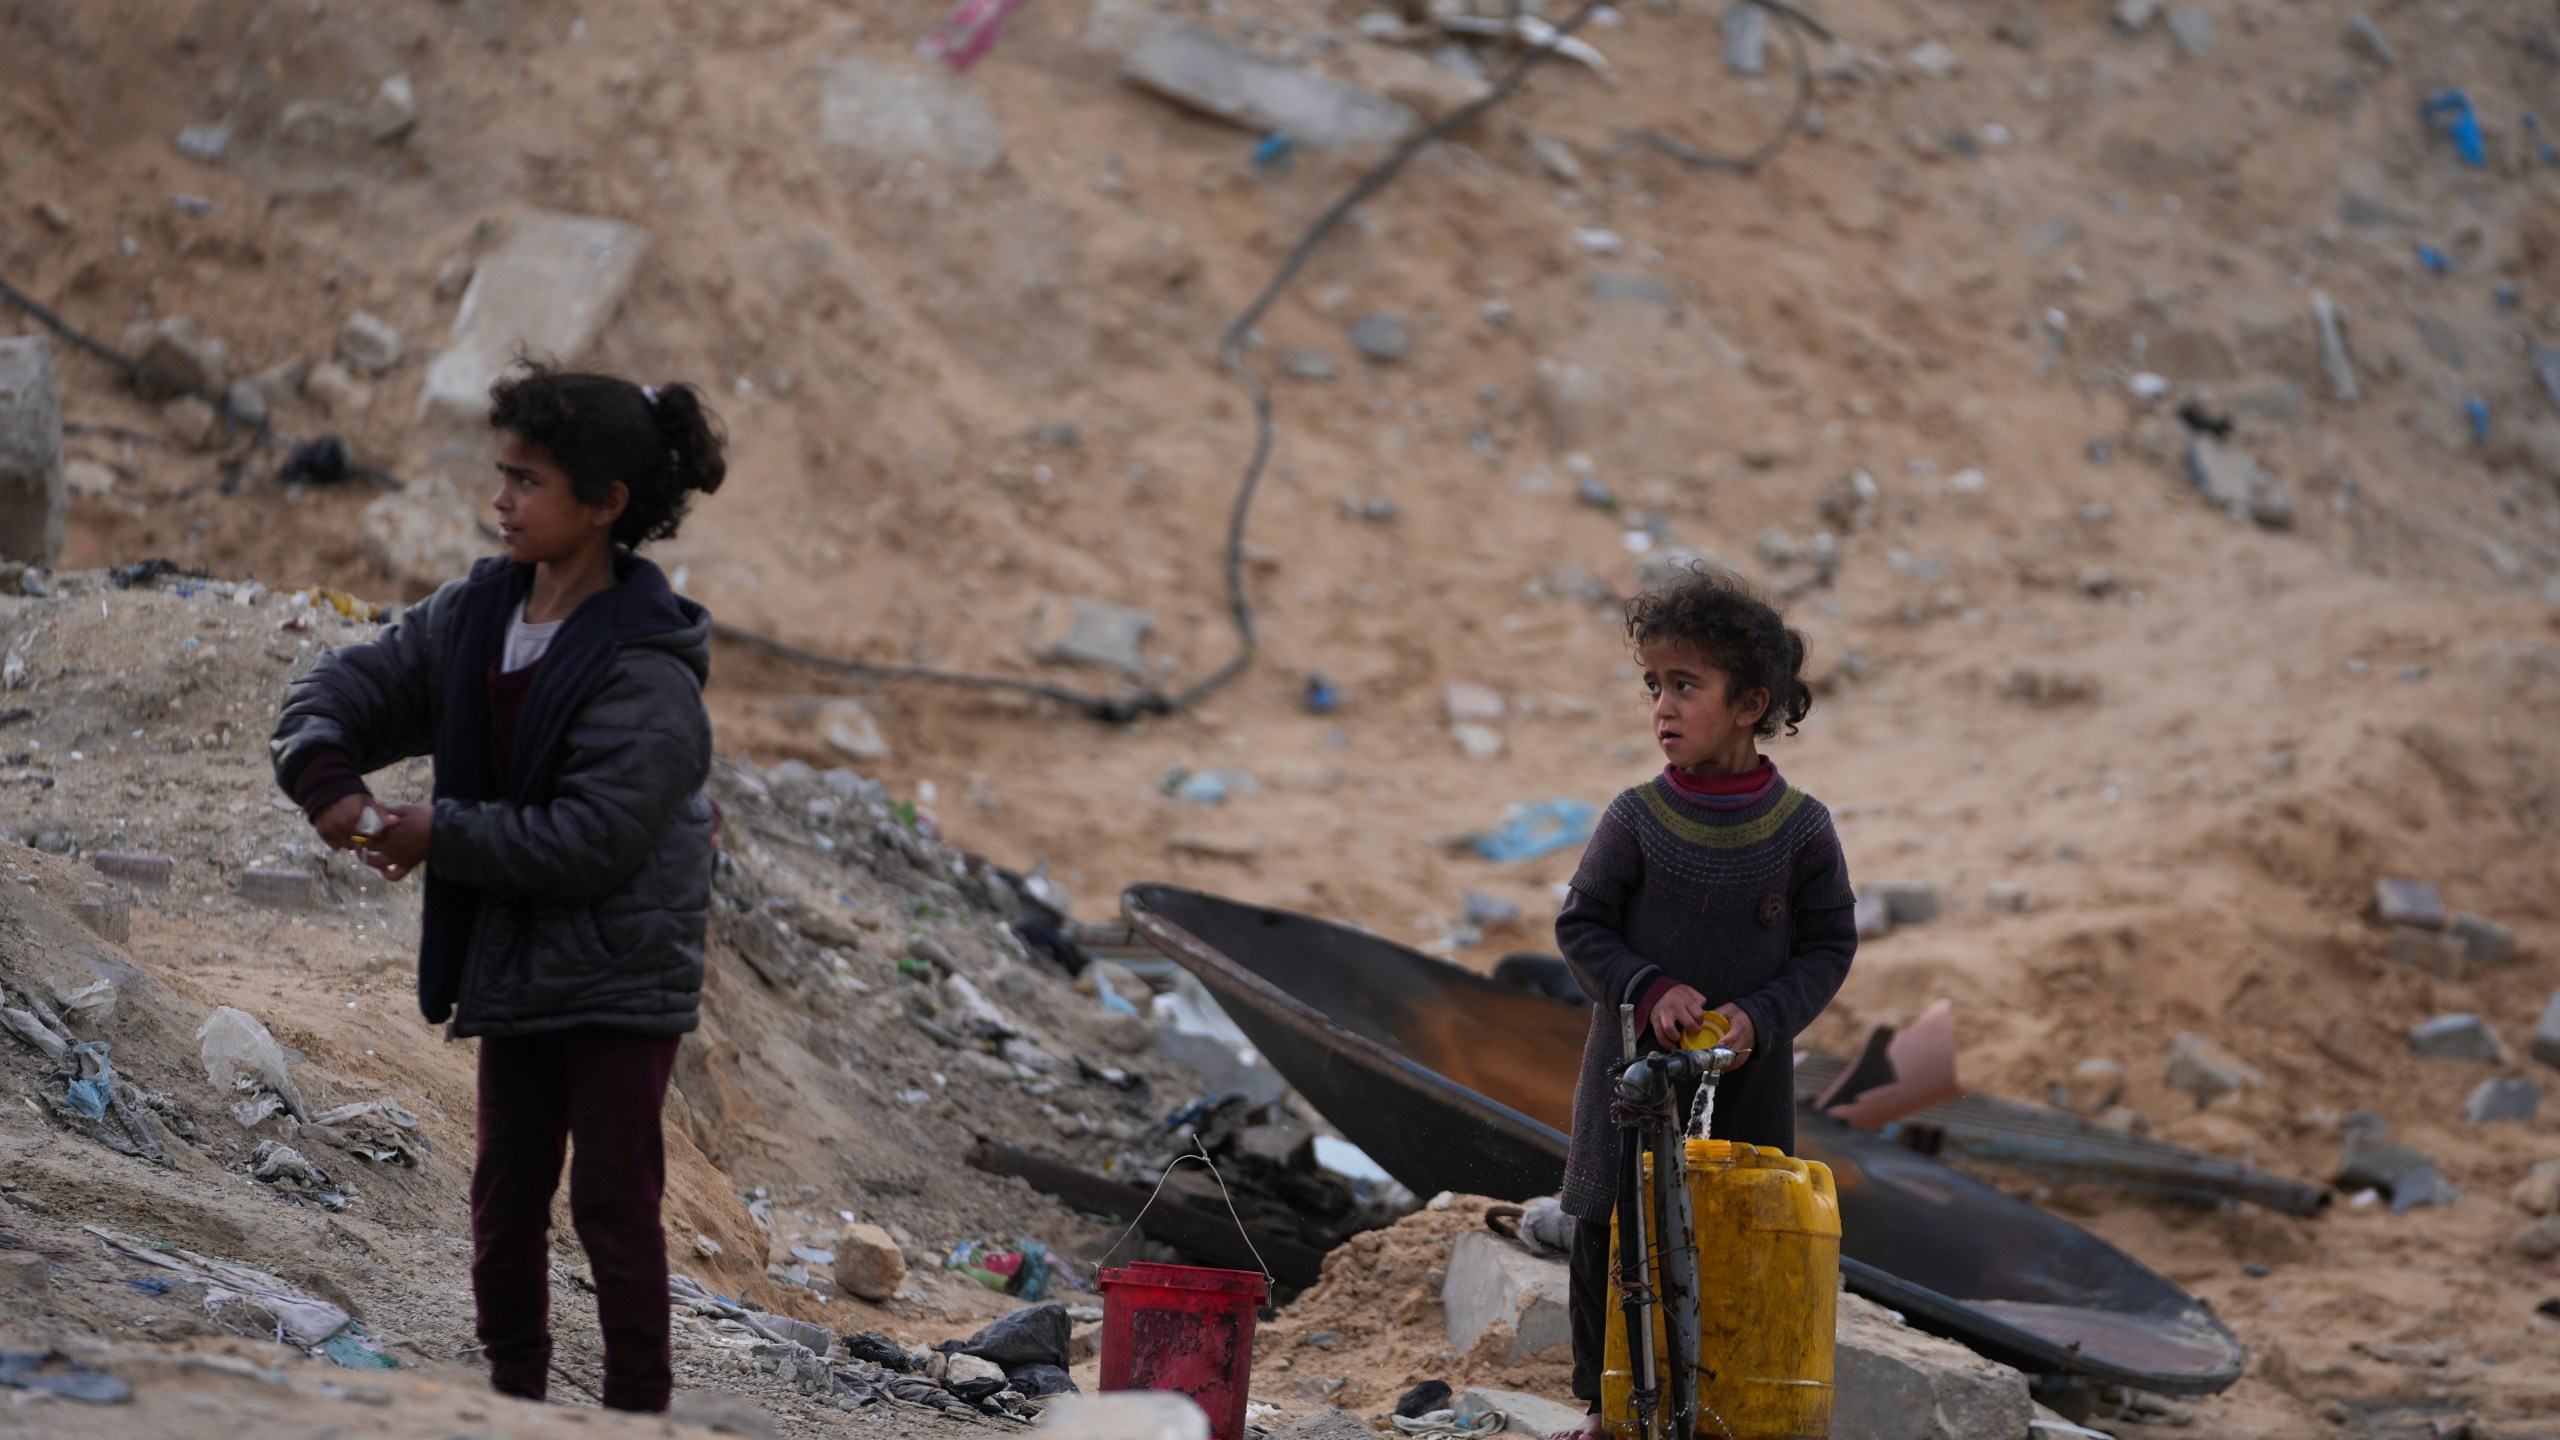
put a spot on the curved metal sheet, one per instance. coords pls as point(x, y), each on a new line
point(1452, 1082)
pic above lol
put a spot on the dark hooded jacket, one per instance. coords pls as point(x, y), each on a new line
point(580, 896)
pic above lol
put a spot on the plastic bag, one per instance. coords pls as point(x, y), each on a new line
point(1529, 831)
point(239, 1054)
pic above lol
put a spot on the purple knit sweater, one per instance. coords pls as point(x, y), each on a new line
point(1749, 904)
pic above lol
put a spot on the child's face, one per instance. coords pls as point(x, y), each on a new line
point(540, 517)
point(1694, 720)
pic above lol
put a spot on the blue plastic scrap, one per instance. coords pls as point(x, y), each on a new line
point(1276, 152)
point(2451, 112)
point(1541, 828)
point(90, 1093)
point(2478, 410)
point(2435, 260)
point(2541, 147)
point(1322, 698)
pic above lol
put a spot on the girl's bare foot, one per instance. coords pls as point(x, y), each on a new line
point(1589, 1429)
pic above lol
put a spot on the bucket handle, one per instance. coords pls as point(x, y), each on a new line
point(1200, 1153)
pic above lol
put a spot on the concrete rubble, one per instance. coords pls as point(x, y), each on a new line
point(31, 474)
point(2545, 1045)
point(2458, 1037)
point(907, 112)
point(1891, 1382)
point(548, 289)
point(1235, 83)
point(1082, 631)
point(2206, 1070)
point(2512, 1098)
point(1493, 1287)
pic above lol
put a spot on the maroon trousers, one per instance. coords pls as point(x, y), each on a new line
point(600, 1093)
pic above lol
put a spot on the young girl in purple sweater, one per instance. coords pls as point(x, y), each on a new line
point(1714, 886)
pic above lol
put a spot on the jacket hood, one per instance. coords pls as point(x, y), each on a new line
point(642, 609)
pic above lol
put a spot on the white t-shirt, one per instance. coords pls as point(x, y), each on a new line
point(526, 643)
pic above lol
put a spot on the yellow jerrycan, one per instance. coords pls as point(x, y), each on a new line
point(1768, 1241)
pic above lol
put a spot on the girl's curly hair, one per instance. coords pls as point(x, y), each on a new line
point(660, 442)
point(1738, 631)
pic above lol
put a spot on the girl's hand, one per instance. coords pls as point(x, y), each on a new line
point(403, 844)
point(1676, 1014)
point(1739, 1039)
point(337, 824)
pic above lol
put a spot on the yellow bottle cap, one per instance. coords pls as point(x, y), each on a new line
point(1712, 1028)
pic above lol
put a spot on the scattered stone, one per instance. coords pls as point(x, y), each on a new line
point(1322, 1339)
point(1891, 1382)
point(284, 889)
point(2513, 1098)
point(2044, 689)
point(1430, 89)
point(1125, 1415)
point(1873, 916)
point(2408, 902)
point(1381, 337)
point(2193, 28)
point(1906, 902)
point(87, 477)
point(717, 1411)
point(2007, 897)
point(2425, 1186)
point(2539, 1239)
point(2366, 39)
point(1302, 362)
point(2234, 480)
point(31, 475)
point(419, 537)
point(1493, 1284)
point(2545, 1045)
point(2432, 950)
point(1554, 154)
point(338, 393)
point(1479, 742)
point(2484, 940)
point(1592, 240)
point(55, 218)
point(1629, 287)
point(1242, 86)
point(247, 403)
point(1746, 38)
point(280, 383)
point(1932, 60)
point(2458, 1037)
point(368, 345)
point(895, 113)
point(850, 731)
point(2097, 1083)
point(205, 142)
point(109, 916)
point(193, 423)
point(548, 290)
point(966, 1373)
point(26, 1274)
point(1522, 1414)
point(2135, 16)
point(869, 1263)
point(133, 868)
point(1238, 845)
point(2372, 1161)
point(2538, 1193)
point(179, 352)
point(1080, 631)
point(1464, 701)
point(2207, 1071)
point(2335, 363)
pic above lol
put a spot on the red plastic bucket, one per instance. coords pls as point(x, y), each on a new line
point(1186, 1329)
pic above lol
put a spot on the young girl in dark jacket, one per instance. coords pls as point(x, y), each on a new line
point(568, 849)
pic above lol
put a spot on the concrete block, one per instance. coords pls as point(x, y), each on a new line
point(284, 889)
point(2513, 1099)
point(133, 868)
point(1494, 1284)
point(1522, 1414)
point(2408, 902)
point(31, 494)
point(2208, 1071)
point(109, 916)
point(1125, 1415)
point(894, 113)
point(549, 289)
point(1079, 631)
point(175, 350)
point(2458, 1037)
point(2546, 1036)
point(1240, 85)
point(1891, 1382)
point(368, 344)
point(2442, 955)
point(2484, 941)
point(1906, 902)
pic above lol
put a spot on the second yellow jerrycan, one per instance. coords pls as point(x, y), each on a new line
point(1768, 1233)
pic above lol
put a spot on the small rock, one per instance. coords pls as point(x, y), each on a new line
point(2124, 1118)
point(1591, 240)
point(1381, 337)
point(247, 403)
point(869, 1263)
point(2096, 1084)
point(2207, 1071)
point(719, 1412)
point(25, 1274)
point(2408, 902)
point(1303, 362)
point(2135, 16)
point(1093, 632)
point(205, 142)
point(2513, 1099)
point(2366, 39)
point(2425, 1186)
point(1746, 38)
point(2538, 1193)
point(2545, 1045)
point(1892, 1382)
point(2458, 1037)
point(1322, 1340)
point(2007, 897)
point(179, 352)
point(1465, 701)
point(339, 394)
point(850, 731)
point(393, 112)
point(1479, 742)
point(1932, 60)
point(2335, 363)
point(2194, 30)
point(2235, 481)
point(88, 477)
point(1555, 155)
point(1057, 435)
point(1240, 845)
point(1906, 902)
point(1874, 918)
point(421, 536)
point(2430, 950)
point(193, 423)
point(368, 345)
point(2540, 1239)
point(968, 1370)
point(2484, 940)
point(453, 277)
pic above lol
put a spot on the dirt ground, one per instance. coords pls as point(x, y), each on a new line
point(2044, 659)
